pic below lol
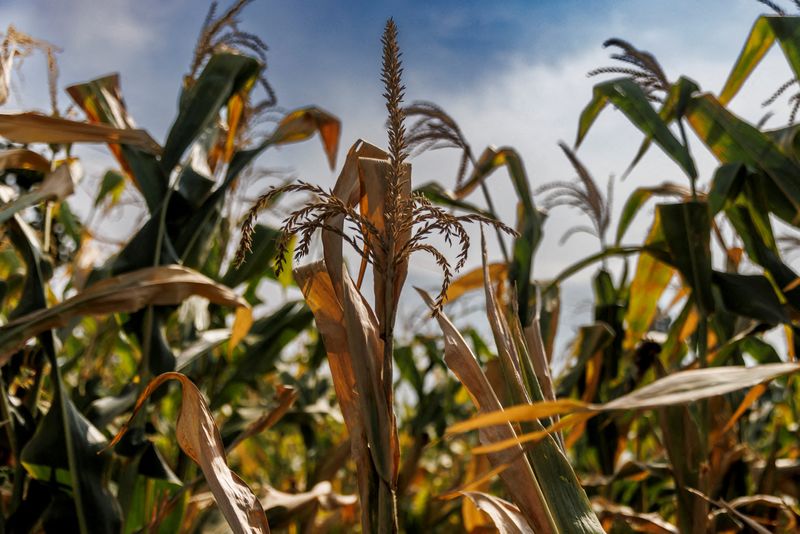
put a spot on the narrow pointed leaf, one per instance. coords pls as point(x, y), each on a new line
point(530, 220)
point(762, 36)
point(676, 389)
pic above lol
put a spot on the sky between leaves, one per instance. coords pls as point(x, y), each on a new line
point(511, 73)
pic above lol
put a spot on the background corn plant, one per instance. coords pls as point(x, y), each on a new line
point(676, 413)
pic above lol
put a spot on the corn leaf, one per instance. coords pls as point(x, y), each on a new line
point(223, 75)
point(687, 230)
point(763, 34)
point(295, 126)
point(632, 101)
point(320, 294)
point(152, 286)
point(199, 438)
point(750, 296)
point(57, 185)
point(676, 389)
point(530, 220)
point(23, 159)
point(283, 508)
point(672, 109)
point(725, 185)
point(506, 517)
point(473, 279)
point(649, 282)
point(36, 128)
point(639, 197)
point(764, 255)
point(519, 478)
point(101, 100)
point(46, 456)
point(733, 140)
point(300, 124)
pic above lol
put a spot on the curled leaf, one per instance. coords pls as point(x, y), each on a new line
point(300, 124)
point(199, 438)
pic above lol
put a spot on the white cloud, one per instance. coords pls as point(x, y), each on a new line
point(530, 102)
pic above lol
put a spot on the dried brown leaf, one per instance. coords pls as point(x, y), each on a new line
point(36, 128)
point(151, 286)
point(199, 438)
point(506, 516)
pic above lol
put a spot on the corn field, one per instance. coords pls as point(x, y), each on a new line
point(145, 389)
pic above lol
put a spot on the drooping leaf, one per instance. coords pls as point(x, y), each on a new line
point(152, 286)
point(23, 159)
point(761, 253)
point(300, 124)
point(57, 185)
point(282, 508)
point(626, 95)
point(36, 128)
point(678, 388)
point(673, 108)
point(198, 437)
point(732, 140)
point(506, 516)
point(639, 197)
point(751, 296)
point(650, 523)
point(101, 100)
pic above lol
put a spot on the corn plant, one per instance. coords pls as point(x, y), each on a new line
point(332, 413)
point(719, 327)
point(390, 225)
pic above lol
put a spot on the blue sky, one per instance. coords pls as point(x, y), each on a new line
point(512, 73)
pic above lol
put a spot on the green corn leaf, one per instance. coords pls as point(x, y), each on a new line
point(632, 101)
point(687, 231)
point(762, 36)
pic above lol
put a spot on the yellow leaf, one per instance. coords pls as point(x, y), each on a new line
point(241, 326)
